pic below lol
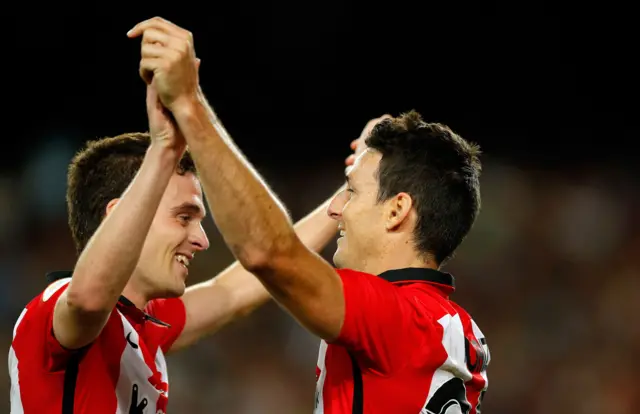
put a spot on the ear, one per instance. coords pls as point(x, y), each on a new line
point(110, 206)
point(397, 210)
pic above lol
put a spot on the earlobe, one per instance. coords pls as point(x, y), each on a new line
point(398, 211)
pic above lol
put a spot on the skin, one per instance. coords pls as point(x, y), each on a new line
point(253, 222)
point(135, 250)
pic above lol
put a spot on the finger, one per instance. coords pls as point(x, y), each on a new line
point(153, 50)
point(350, 160)
point(156, 36)
point(152, 36)
point(153, 23)
point(152, 98)
point(148, 66)
point(197, 64)
point(354, 144)
point(161, 25)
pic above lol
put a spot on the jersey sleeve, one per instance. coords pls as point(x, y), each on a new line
point(33, 333)
point(173, 312)
point(381, 324)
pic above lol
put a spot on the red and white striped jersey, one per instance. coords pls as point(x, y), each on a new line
point(404, 348)
point(122, 372)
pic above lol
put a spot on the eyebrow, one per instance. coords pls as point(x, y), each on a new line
point(189, 208)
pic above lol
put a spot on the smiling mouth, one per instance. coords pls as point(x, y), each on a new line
point(183, 260)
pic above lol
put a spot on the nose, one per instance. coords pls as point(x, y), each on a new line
point(337, 204)
point(199, 239)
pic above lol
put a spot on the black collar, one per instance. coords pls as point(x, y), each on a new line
point(415, 274)
point(123, 303)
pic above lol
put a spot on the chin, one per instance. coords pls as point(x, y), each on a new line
point(338, 260)
point(174, 291)
point(177, 291)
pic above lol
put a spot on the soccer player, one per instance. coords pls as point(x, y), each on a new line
point(94, 341)
point(393, 341)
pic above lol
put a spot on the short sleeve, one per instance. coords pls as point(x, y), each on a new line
point(380, 321)
point(34, 330)
point(173, 312)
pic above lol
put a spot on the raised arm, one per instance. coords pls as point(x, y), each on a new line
point(106, 264)
point(236, 292)
point(257, 229)
point(252, 221)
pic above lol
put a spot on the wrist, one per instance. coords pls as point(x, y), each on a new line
point(186, 105)
point(165, 154)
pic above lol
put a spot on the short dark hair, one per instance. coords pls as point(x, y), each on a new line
point(441, 173)
point(101, 172)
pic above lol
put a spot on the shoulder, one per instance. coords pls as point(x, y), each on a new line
point(55, 289)
point(468, 321)
point(43, 304)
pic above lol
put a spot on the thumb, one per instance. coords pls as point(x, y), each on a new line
point(198, 64)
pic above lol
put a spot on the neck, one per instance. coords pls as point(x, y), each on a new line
point(135, 296)
point(400, 258)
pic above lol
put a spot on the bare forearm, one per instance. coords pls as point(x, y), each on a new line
point(250, 218)
point(106, 264)
point(235, 292)
point(315, 231)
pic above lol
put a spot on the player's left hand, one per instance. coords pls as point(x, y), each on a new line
point(168, 58)
point(162, 127)
point(358, 145)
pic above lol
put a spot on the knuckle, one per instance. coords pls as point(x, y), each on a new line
point(172, 57)
point(184, 48)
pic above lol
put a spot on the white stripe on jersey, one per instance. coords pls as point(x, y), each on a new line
point(16, 400)
point(453, 341)
point(319, 404)
point(14, 396)
point(133, 388)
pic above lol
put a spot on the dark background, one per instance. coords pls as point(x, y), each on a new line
point(549, 92)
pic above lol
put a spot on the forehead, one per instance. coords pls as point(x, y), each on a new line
point(365, 168)
point(184, 189)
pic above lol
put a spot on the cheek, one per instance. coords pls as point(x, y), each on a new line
point(356, 220)
point(165, 233)
point(366, 221)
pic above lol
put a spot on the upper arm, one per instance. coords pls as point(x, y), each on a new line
point(308, 288)
point(381, 324)
point(73, 327)
point(212, 304)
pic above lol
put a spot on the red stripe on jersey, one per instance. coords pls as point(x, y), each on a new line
point(122, 371)
point(407, 340)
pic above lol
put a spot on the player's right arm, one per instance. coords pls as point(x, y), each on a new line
point(110, 257)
